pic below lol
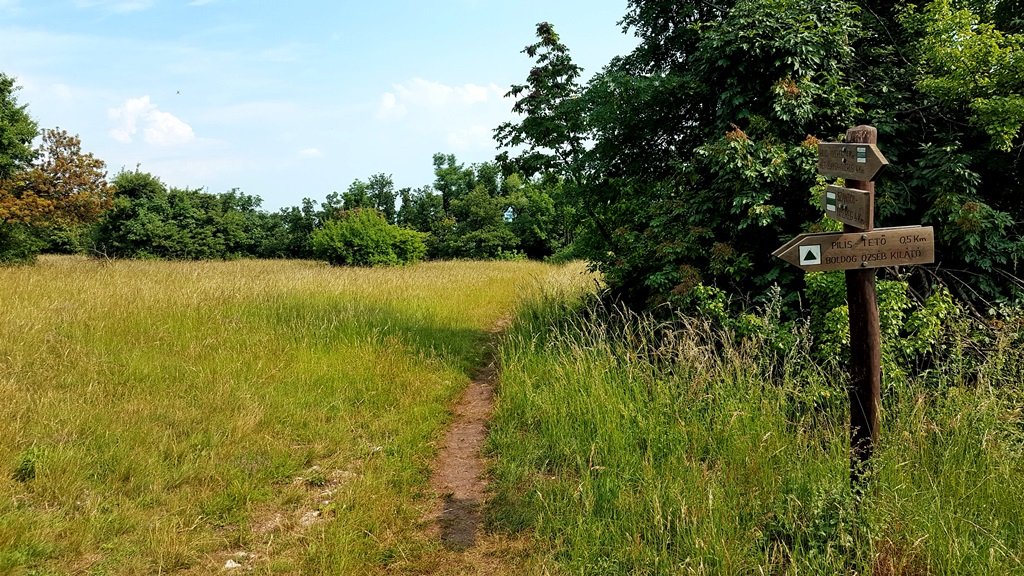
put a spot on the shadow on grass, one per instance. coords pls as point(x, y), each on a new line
point(329, 322)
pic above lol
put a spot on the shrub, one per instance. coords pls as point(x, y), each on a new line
point(17, 244)
point(148, 220)
point(362, 237)
point(918, 333)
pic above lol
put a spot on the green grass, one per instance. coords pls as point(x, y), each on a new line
point(166, 417)
point(631, 450)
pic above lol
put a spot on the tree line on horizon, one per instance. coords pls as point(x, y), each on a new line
point(54, 197)
point(471, 212)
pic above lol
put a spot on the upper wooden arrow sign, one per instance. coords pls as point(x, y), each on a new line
point(876, 248)
point(850, 161)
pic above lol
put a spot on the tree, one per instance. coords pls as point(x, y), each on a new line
point(539, 217)
point(481, 230)
point(553, 127)
point(381, 189)
point(969, 64)
point(701, 142)
point(137, 185)
point(451, 179)
point(357, 196)
point(297, 224)
point(422, 209)
point(653, 208)
point(474, 204)
point(550, 143)
point(50, 203)
point(62, 186)
point(944, 87)
point(17, 130)
point(149, 220)
point(378, 192)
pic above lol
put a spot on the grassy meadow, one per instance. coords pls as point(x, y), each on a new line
point(632, 450)
point(162, 417)
point(167, 418)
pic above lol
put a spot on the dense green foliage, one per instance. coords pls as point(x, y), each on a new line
point(17, 130)
point(149, 220)
point(18, 243)
point(378, 193)
point(632, 447)
point(470, 212)
point(703, 138)
point(479, 212)
point(363, 237)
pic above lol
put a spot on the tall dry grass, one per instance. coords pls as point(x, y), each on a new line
point(164, 417)
point(634, 449)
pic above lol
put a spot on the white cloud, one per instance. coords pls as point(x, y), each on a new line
point(423, 94)
point(472, 137)
point(165, 129)
point(389, 107)
point(159, 128)
point(118, 6)
point(311, 153)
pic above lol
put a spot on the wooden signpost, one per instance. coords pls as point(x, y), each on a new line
point(859, 249)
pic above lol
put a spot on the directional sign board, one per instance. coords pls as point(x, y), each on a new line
point(850, 161)
point(850, 206)
point(876, 248)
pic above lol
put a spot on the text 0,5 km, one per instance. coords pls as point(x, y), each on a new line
point(876, 248)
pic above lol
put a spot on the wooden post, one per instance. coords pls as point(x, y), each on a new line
point(865, 345)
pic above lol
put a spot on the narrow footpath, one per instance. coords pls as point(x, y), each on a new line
point(459, 483)
point(459, 476)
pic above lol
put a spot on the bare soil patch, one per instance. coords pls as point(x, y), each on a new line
point(459, 483)
point(459, 474)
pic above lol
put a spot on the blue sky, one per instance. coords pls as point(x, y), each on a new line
point(286, 100)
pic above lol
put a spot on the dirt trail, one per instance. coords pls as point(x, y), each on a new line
point(459, 478)
point(459, 474)
point(459, 482)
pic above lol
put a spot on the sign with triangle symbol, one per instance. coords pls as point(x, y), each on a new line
point(810, 255)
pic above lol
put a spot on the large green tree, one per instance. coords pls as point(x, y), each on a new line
point(474, 205)
point(945, 87)
point(17, 130)
point(693, 156)
point(550, 135)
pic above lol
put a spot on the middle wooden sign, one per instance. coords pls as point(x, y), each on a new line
point(850, 206)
